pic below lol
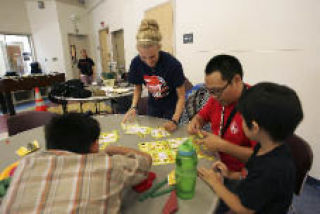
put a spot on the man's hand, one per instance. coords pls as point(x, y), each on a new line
point(130, 115)
point(194, 126)
point(211, 141)
point(170, 126)
point(209, 176)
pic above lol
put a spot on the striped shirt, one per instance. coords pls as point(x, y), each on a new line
point(65, 182)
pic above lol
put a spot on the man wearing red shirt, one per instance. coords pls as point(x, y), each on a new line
point(224, 83)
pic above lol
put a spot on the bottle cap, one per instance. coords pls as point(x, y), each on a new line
point(186, 148)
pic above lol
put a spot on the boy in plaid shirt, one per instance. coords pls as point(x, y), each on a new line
point(71, 175)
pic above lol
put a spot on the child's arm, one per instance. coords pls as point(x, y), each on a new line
point(120, 150)
point(235, 175)
point(219, 166)
point(215, 143)
point(232, 200)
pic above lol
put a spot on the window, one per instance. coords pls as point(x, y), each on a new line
point(15, 54)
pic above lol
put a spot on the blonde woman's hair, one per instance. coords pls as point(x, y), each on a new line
point(148, 34)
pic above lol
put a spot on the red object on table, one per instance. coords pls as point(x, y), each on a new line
point(171, 205)
point(145, 184)
point(12, 171)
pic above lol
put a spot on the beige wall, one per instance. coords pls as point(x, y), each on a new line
point(118, 14)
point(46, 34)
point(65, 11)
point(13, 17)
point(50, 28)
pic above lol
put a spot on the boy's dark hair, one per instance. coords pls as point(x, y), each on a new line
point(276, 108)
point(72, 132)
point(227, 65)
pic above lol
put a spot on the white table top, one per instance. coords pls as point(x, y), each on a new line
point(110, 94)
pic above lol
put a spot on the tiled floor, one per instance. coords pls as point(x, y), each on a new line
point(307, 203)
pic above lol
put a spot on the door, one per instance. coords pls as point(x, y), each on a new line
point(76, 44)
point(164, 15)
point(118, 49)
point(15, 58)
point(104, 50)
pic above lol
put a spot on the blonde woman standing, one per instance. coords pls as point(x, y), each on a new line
point(161, 73)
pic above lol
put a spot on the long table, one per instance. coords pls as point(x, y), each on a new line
point(112, 96)
point(8, 85)
point(204, 201)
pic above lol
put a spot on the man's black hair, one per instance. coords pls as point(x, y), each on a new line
point(227, 65)
point(73, 132)
point(276, 108)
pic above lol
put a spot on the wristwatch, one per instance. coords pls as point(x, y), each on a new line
point(134, 107)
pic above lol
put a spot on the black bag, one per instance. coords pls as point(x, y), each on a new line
point(35, 68)
point(72, 88)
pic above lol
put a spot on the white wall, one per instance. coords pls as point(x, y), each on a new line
point(13, 17)
point(275, 41)
point(65, 11)
point(46, 34)
point(118, 14)
point(50, 28)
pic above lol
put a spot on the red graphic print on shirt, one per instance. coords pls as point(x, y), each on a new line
point(157, 86)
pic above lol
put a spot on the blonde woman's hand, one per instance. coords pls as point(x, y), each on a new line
point(130, 115)
point(170, 126)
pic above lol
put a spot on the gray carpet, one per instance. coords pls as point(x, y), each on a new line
point(309, 201)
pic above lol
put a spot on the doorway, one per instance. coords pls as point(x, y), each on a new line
point(118, 50)
point(16, 54)
point(15, 58)
point(104, 50)
point(163, 14)
point(76, 44)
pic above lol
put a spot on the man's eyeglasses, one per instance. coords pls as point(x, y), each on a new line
point(217, 92)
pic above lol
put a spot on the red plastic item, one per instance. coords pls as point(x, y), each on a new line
point(145, 184)
point(12, 171)
point(171, 205)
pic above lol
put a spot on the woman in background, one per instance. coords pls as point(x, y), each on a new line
point(86, 67)
point(161, 73)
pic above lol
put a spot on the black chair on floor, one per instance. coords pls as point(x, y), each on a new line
point(188, 85)
point(28, 120)
point(303, 157)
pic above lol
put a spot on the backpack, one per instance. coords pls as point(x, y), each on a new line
point(72, 88)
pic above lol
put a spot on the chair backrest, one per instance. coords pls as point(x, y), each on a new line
point(188, 85)
point(27, 120)
point(303, 157)
point(195, 101)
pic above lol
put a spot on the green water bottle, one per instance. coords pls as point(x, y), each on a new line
point(186, 170)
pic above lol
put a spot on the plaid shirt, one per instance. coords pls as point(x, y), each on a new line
point(65, 182)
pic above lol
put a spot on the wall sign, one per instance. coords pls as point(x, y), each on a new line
point(187, 38)
point(41, 4)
